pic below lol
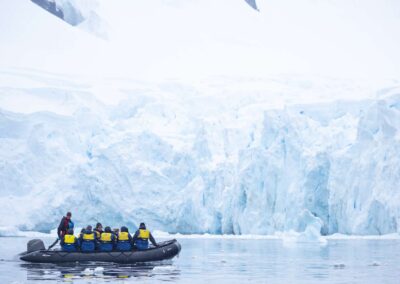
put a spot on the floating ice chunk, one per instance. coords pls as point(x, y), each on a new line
point(88, 271)
point(312, 232)
point(164, 268)
point(99, 270)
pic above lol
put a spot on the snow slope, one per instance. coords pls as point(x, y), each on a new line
point(191, 39)
point(192, 126)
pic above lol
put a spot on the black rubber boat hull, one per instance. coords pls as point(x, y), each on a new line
point(166, 250)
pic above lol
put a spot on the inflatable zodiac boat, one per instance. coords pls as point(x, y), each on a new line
point(37, 253)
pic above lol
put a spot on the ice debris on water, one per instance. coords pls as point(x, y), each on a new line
point(88, 271)
point(99, 270)
point(164, 268)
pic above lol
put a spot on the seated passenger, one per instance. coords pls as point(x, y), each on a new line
point(107, 239)
point(98, 230)
point(124, 240)
point(115, 231)
point(69, 242)
point(88, 240)
point(142, 237)
point(81, 233)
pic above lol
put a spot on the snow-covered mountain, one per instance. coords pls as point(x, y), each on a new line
point(79, 13)
point(192, 126)
point(189, 39)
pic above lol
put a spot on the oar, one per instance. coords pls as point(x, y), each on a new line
point(53, 244)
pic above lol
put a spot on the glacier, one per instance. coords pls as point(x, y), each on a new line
point(185, 167)
point(215, 132)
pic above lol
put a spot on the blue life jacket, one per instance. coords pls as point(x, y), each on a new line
point(69, 248)
point(106, 241)
point(69, 243)
point(123, 242)
point(124, 246)
point(88, 242)
point(87, 246)
point(142, 244)
point(106, 246)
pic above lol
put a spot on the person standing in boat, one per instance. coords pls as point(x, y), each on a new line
point(88, 240)
point(69, 242)
point(65, 224)
point(142, 237)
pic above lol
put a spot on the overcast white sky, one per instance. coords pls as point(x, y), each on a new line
point(190, 39)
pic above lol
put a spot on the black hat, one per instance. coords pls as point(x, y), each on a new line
point(69, 214)
point(142, 226)
point(107, 229)
point(98, 225)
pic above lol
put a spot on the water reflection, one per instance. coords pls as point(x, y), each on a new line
point(164, 271)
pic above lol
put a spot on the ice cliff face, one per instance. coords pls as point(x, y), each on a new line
point(191, 165)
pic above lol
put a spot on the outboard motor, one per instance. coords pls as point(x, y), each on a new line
point(35, 245)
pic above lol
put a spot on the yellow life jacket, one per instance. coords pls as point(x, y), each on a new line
point(88, 237)
point(144, 234)
point(98, 234)
point(105, 237)
point(69, 239)
point(123, 236)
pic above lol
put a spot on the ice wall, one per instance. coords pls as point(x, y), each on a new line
point(182, 166)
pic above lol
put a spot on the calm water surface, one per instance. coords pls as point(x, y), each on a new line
point(225, 261)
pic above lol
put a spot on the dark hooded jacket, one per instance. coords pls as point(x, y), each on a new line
point(65, 224)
